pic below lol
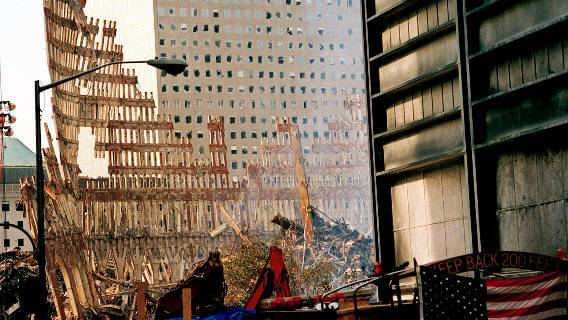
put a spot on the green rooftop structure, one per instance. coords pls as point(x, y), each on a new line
point(19, 160)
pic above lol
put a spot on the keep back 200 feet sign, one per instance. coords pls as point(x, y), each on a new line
point(491, 261)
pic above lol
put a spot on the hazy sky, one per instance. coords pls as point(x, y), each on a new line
point(23, 59)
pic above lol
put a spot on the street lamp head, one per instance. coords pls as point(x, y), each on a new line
point(9, 132)
point(170, 66)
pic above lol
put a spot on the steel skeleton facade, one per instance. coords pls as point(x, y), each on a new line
point(468, 113)
point(149, 216)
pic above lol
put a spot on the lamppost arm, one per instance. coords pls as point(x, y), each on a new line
point(80, 74)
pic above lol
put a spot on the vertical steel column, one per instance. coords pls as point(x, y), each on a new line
point(468, 126)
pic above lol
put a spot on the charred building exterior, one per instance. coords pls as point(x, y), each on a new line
point(468, 108)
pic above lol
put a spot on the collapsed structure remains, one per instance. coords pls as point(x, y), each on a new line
point(149, 219)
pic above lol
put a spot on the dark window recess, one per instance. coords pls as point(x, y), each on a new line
point(6, 243)
point(20, 242)
point(5, 207)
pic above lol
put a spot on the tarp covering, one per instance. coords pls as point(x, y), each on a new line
point(231, 313)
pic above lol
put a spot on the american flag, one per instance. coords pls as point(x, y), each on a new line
point(447, 296)
point(538, 297)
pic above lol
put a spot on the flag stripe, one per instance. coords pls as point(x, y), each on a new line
point(519, 289)
point(525, 303)
point(497, 296)
point(553, 314)
point(524, 281)
point(549, 305)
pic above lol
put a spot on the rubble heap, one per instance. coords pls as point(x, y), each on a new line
point(349, 251)
point(19, 281)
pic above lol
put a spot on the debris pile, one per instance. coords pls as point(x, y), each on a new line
point(347, 250)
point(207, 286)
point(19, 282)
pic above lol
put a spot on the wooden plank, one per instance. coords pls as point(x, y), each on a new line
point(436, 241)
point(451, 192)
point(404, 33)
point(399, 113)
point(565, 52)
point(400, 218)
point(395, 35)
point(402, 246)
point(447, 95)
point(565, 170)
point(417, 106)
point(419, 241)
point(422, 20)
point(386, 38)
point(455, 238)
point(432, 15)
point(550, 181)
point(433, 196)
point(186, 303)
point(508, 232)
point(467, 233)
point(451, 9)
point(464, 192)
point(408, 110)
point(541, 62)
point(505, 181)
point(457, 92)
point(437, 104)
point(442, 11)
point(529, 229)
point(413, 25)
point(503, 75)
point(427, 102)
point(416, 203)
point(526, 190)
point(515, 71)
point(391, 121)
point(555, 57)
point(554, 226)
point(493, 85)
point(529, 72)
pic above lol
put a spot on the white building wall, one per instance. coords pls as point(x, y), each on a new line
point(12, 237)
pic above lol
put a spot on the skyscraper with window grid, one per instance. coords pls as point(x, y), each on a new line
point(253, 61)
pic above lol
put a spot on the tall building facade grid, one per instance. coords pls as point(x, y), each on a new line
point(252, 61)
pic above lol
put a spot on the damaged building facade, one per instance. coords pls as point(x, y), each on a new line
point(468, 110)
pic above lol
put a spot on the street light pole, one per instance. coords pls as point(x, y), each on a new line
point(171, 66)
point(40, 192)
